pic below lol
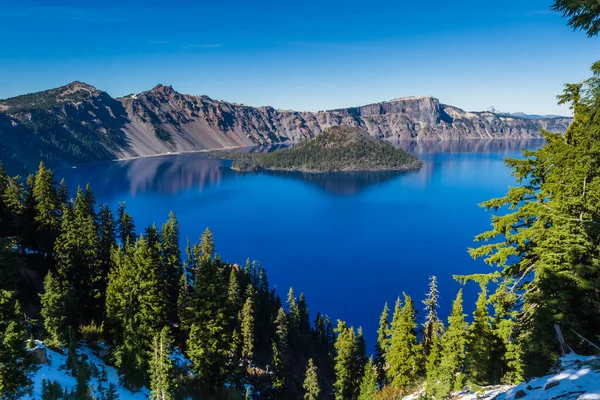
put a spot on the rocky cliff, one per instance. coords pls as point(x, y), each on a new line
point(78, 123)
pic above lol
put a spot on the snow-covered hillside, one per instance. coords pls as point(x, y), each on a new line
point(577, 379)
point(54, 370)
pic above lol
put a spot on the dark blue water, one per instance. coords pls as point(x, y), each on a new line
point(348, 241)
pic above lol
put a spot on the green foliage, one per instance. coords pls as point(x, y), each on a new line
point(311, 382)
point(451, 370)
point(368, 386)
point(336, 149)
point(582, 14)
point(161, 369)
point(55, 309)
point(479, 361)
point(16, 363)
point(349, 362)
point(404, 355)
point(247, 328)
point(382, 347)
point(546, 242)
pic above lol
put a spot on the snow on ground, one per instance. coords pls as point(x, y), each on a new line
point(577, 379)
point(54, 370)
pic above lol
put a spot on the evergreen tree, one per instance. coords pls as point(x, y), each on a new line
point(381, 347)
point(404, 356)
point(346, 387)
point(432, 365)
point(368, 386)
point(171, 256)
point(47, 209)
point(302, 315)
point(582, 14)
point(450, 374)
point(208, 342)
point(360, 360)
point(161, 369)
point(16, 363)
point(106, 241)
point(247, 329)
point(432, 325)
point(507, 350)
point(234, 292)
point(311, 382)
point(479, 362)
point(55, 302)
point(125, 225)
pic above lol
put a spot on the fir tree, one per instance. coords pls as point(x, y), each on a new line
point(345, 345)
point(161, 369)
point(247, 328)
point(47, 209)
point(125, 225)
point(450, 374)
point(404, 355)
point(208, 342)
point(479, 362)
point(171, 256)
point(311, 382)
point(368, 386)
point(16, 363)
point(381, 347)
point(432, 365)
point(55, 309)
point(432, 325)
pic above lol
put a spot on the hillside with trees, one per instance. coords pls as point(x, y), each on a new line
point(338, 148)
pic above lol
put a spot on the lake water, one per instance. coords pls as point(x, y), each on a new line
point(348, 241)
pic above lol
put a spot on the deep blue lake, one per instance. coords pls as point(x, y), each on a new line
point(348, 241)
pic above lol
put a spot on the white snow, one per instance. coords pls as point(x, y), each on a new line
point(578, 379)
point(55, 370)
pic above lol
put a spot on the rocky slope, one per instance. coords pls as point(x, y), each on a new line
point(78, 123)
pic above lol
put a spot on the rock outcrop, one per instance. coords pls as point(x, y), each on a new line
point(78, 123)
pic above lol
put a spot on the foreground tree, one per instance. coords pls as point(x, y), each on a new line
point(451, 371)
point(547, 244)
point(161, 368)
point(582, 14)
point(404, 355)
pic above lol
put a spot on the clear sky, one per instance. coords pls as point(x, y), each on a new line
point(304, 55)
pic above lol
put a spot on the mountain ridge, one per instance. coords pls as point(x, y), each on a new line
point(78, 123)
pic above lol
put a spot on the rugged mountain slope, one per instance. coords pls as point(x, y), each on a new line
point(78, 123)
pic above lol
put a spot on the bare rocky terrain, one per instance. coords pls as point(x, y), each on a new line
point(78, 123)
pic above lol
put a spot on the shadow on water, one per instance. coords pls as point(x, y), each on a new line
point(467, 146)
point(342, 183)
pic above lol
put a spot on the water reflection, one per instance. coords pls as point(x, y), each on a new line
point(342, 183)
point(174, 174)
point(467, 146)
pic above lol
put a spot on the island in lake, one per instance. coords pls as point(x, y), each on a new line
point(339, 148)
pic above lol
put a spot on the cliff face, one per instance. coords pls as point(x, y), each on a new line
point(78, 123)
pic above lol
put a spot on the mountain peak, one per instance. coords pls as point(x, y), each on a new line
point(164, 89)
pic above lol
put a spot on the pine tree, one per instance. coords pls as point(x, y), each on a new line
point(432, 324)
point(479, 362)
point(55, 309)
point(234, 292)
point(311, 382)
point(360, 361)
point(16, 363)
point(368, 386)
point(125, 225)
point(303, 315)
point(450, 375)
point(381, 347)
point(432, 364)
point(208, 342)
point(247, 329)
point(171, 256)
point(404, 356)
point(47, 209)
point(345, 345)
point(546, 244)
point(106, 241)
point(161, 368)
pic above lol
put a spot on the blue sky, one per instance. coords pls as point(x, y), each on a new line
point(304, 55)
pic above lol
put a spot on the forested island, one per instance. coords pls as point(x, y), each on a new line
point(338, 148)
